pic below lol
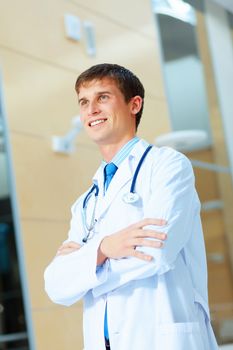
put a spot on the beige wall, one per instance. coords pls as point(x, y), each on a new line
point(40, 67)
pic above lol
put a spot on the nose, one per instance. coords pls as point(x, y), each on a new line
point(93, 108)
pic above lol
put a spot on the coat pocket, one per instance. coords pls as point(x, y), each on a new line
point(179, 336)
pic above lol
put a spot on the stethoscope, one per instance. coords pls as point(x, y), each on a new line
point(130, 198)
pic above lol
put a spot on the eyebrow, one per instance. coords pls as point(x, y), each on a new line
point(81, 99)
point(97, 94)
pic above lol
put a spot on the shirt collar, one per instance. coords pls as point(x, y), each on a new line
point(123, 152)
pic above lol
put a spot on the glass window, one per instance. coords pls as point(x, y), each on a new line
point(13, 334)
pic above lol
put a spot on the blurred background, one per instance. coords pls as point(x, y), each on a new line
point(183, 53)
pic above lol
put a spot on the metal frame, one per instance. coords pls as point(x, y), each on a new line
point(13, 337)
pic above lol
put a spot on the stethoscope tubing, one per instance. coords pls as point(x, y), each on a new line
point(133, 185)
point(93, 188)
point(96, 189)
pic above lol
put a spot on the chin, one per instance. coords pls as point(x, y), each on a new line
point(98, 138)
point(100, 141)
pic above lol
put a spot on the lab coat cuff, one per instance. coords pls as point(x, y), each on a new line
point(102, 271)
point(165, 267)
point(99, 273)
point(119, 275)
point(70, 277)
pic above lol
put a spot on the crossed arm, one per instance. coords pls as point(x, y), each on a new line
point(174, 199)
point(123, 243)
point(74, 271)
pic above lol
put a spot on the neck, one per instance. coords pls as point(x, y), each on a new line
point(110, 150)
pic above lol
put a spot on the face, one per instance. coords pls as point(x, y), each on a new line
point(105, 115)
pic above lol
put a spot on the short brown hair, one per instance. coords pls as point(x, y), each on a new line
point(126, 81)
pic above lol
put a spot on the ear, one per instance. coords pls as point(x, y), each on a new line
point(136, 104)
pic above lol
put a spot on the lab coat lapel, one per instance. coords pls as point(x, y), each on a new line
point(123, 176)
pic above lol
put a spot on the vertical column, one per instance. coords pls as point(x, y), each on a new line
point(216, 50)
point(221, 48)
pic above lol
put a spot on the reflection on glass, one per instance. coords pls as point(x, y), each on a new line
point(230, 21)
point(183, 73)
point(175, 8)
point(12, 321)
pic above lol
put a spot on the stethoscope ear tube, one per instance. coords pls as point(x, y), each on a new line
point(132, 188)
point(132, 197)
point(94, 188)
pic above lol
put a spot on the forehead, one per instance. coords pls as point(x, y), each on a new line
point(96, 85)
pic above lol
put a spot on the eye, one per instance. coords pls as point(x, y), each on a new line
point(103, 98)
point(82, 102)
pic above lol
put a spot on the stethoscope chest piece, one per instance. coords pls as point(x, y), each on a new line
point(130, 197)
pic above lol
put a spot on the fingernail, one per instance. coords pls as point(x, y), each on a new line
point(148, 258)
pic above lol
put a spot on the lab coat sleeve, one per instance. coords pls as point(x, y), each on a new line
point(173, 198)
point(69, 277)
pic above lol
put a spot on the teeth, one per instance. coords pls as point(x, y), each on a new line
point(96, 122)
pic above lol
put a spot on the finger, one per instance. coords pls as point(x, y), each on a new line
point(140, 242)
point(151, 221)
point(153, 234)
point(149, 233)
point(70, 244)
point(65, 251)
point(140, 255)
point(67, 247)
point(62, 250)
point(73, 244)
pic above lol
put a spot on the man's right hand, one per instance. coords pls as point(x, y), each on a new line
point(67, 248)
point(124, 243)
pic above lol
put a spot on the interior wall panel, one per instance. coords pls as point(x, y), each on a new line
point(47, 183)
point(51, 90)
point(59, 328)
point(43, 38)
point(41, 239)
point(129, 16)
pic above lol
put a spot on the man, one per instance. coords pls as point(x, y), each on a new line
point(135, 251)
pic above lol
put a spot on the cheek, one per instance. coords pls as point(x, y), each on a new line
point(82, 117)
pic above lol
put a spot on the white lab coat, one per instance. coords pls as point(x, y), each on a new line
point(158, 305)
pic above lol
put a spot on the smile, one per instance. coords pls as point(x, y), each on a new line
point(97, 122)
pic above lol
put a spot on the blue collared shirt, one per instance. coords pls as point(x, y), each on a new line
point(123, 152)
point(117, 160)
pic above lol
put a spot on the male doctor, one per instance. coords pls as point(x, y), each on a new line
point(135, 255)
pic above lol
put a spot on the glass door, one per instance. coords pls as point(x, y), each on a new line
point(13, 330)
